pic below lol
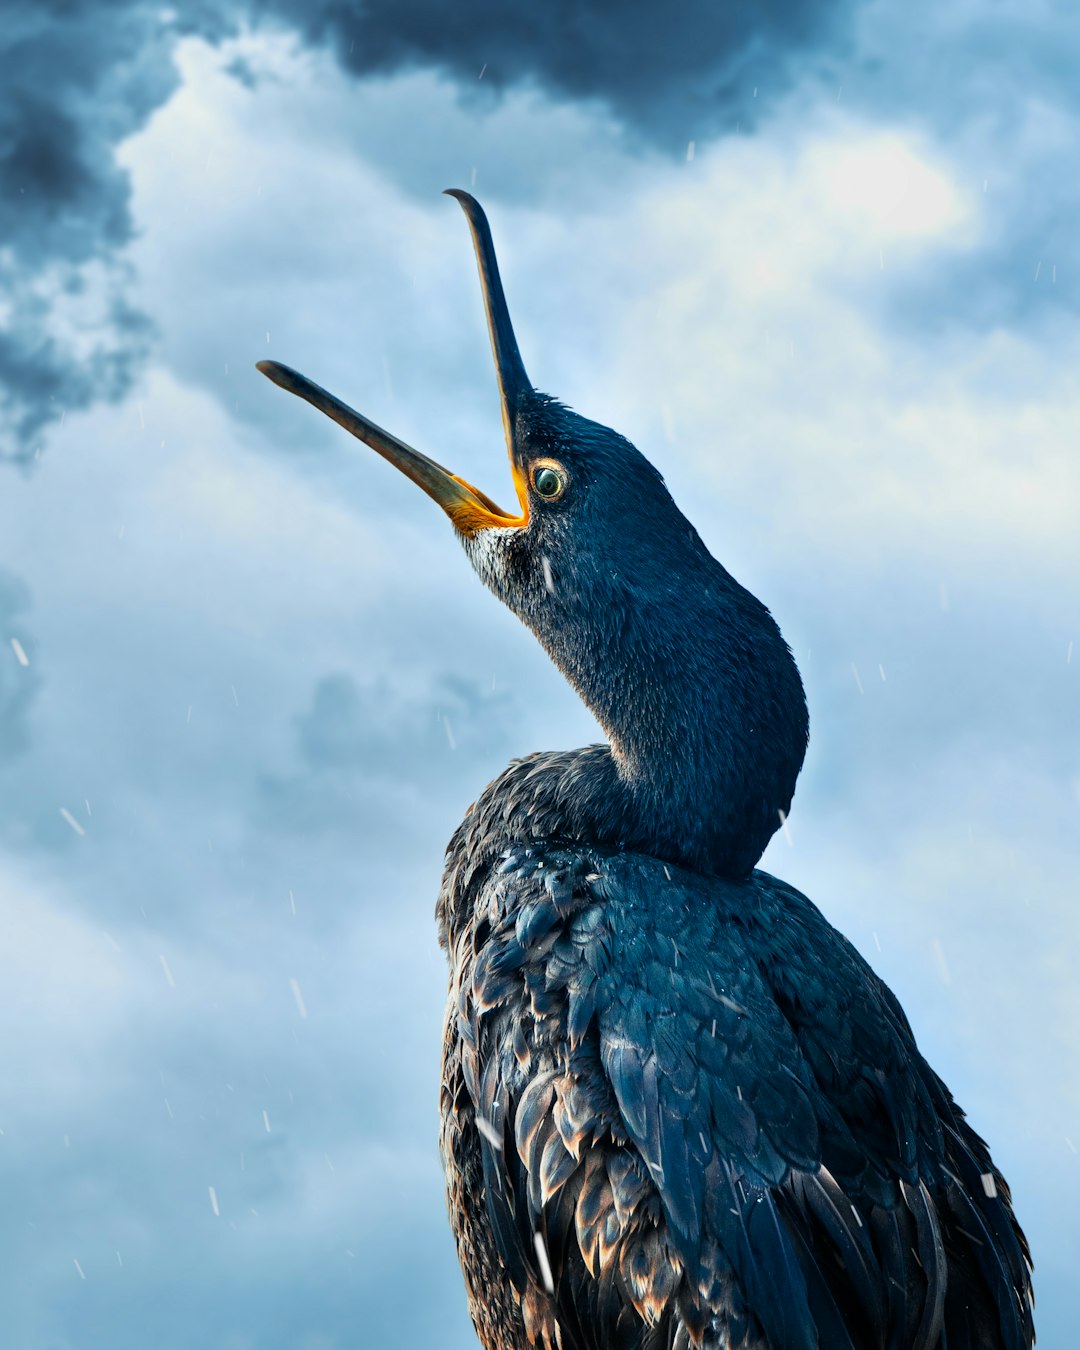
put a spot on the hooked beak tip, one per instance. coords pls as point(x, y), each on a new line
point(281, 375)
point(514, 384)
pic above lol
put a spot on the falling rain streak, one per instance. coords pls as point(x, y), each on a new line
point(490, 1133)
point(543, 1262)
point(66, 814)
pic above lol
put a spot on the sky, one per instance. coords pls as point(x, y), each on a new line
point(819, 262)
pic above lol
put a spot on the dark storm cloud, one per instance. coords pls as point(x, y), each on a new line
point(42, 378)
point(75, 80)
point(670, 73)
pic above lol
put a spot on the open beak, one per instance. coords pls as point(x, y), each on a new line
point(470, 509)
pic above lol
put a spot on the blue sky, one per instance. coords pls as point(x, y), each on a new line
point(822, 268)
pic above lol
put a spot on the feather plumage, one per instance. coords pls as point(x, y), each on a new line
point(707, 1169)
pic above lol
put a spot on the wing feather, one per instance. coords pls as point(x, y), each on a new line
point(714, 1118)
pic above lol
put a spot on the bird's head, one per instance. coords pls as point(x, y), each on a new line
point(684, 669)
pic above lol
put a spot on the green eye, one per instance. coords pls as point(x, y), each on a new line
point(549, 481)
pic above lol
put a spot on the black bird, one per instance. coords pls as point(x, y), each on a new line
point(678, 1108)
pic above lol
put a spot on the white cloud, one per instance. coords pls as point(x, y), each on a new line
point(880, 180)
point(72, 989)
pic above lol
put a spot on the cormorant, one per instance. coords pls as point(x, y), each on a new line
point(678, 1107)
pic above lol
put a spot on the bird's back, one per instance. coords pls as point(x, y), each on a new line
point(682, 1110)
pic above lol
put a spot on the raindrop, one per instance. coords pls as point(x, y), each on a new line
point(544, 1263)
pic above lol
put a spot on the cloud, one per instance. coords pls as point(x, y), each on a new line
point(20, 679)
point(367, 754)
point(74, 91)
point(635, 81)
point(71, 90)
point(149, 1089)
point(671, 75)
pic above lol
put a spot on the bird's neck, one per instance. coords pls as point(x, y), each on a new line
point(706, 719)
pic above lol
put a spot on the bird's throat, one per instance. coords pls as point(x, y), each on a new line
point(707, 734)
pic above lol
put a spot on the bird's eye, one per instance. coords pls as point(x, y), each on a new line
point(549, 481)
